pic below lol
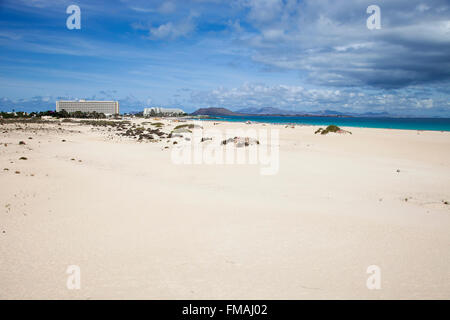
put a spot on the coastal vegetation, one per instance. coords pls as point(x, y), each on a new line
point(187, 126)
point(104, 123)
point(331, 128)
point(55, 114)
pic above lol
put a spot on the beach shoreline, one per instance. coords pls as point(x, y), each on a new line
point(333, 120)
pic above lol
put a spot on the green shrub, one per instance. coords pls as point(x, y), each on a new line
point(318, 131)
point(333, 128)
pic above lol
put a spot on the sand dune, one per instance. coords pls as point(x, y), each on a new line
point(140, 226)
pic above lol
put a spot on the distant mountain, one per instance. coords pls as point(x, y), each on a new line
point(374, 114)
point(280, 112)
point(214, 112)
point(276, 111)
point(267, 110)
point(328, 113)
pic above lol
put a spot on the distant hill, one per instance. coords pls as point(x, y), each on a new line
point(328, 113)
point(214, 112)
point(279, 112)
point(276, 111)
point(375, 114)
point(267, 110)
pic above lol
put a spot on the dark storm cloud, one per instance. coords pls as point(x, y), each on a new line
point(329, 41)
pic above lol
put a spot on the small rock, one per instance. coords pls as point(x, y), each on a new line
point(17, 172)
point(22, 142)
point(398, 170)
point(23, 158)
point(63, 140)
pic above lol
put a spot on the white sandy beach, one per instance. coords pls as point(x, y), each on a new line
point(142, 227)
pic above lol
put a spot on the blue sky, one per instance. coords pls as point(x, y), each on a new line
point(295, 55)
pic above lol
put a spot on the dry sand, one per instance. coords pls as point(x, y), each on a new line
point(142, 227)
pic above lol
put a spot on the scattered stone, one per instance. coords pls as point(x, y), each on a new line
point(445, 202)
point(63, 140)
point(145, 136)
point(23, 158)
point(17, 172)
point(241, 141)
point(31, 138)
point(22, 142)
point(398, 170)
point(5, 169)
point(72, 159)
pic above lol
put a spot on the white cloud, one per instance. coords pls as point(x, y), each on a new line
point(331, 44)
point(167, 7)
point(172, 31)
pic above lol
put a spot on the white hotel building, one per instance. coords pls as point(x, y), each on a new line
point(106, 107)
point(162, 111)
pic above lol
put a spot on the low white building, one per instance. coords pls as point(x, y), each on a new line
point(156, 111)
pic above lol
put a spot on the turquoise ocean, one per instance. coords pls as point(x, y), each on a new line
point(434, 124)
